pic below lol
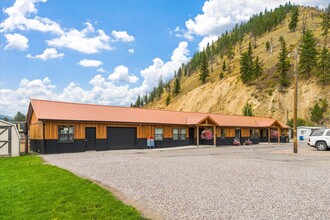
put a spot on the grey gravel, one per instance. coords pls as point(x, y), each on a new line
point(246, 182)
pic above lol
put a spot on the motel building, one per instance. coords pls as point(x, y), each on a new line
point(60, 127)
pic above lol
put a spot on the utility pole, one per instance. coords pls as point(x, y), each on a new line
point(295, 110)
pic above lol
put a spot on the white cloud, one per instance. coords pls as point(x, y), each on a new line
point(152, 73)
point(90, 63)
point(103, 90)
point(17, 100)
point(86, 41)
point(19, 17)
point(49, 53)
point(121, 74)
point(16, 41)
point(220, 15)
point(179, 32)
point(101, 70)
point(206, 39)
point(131, 51)
point(122, 36)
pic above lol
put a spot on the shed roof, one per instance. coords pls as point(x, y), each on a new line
point(67, 111)
point(8, 124)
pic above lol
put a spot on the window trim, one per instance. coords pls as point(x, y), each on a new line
point(222, 133)
point(69, 140)
point(256, 133)
point(178, 136)
point(159, 136)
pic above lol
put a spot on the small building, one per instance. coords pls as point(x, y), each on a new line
point(9, 139)
point(58, 127)
point(303, 132)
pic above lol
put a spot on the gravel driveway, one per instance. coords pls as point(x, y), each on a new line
point(246, 182)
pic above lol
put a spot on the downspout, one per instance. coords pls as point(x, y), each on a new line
point(26, 137)
point(43, 138)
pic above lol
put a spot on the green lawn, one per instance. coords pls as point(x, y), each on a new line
point(30, 189)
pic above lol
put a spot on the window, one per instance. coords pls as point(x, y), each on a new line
point(175, 134)
point(158, 134)
point(65, 134)
point(328, 133)
point(179, 134)
point(182, 134)
point(223, 133)
point(303, 132)
point(254, 133)
point(317, 132)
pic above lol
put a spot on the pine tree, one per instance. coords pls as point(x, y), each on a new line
point(138, 101)
point(326, 24)
point(267, 46)
point(168, 100)
point(257, 68)
point(324, 66)
point(145, 99)
point(246, 65)
point(247, 110)
point(224, 67)
point(177, 87)
point(316, 114)
point(230, 55)
point(179, 74)
point(160, 87)
point(294, 19)
point(283, 65)
point(308, 57)
point(204, 71)
point(19, 117)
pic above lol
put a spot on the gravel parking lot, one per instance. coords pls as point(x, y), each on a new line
point(265, 181)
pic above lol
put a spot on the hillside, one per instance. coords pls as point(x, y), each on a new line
point(229, 95)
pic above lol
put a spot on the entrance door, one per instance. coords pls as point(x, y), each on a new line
point(238, 134)
point(191, 136)
point(90, 138)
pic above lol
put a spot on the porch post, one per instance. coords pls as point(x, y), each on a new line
point(197, 136)
point(278, 135)
point(215, 136)
point(268, 135)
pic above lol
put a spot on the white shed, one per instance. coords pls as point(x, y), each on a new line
point(9, 139)
point(303, 132)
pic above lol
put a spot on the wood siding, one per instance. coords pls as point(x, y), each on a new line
point(36, 128)
point(143, 131)
point(229, 132)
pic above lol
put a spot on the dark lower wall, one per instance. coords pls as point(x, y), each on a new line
point(101, 144)
point(225, 141)
point(52, 146)
point(275, 140)
point(169, 142)
point(36, 145)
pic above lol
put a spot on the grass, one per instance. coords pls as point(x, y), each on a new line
point(30, 189)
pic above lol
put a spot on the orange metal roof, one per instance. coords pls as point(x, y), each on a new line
point(66, 111)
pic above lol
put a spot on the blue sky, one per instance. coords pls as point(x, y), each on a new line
point(102, 51)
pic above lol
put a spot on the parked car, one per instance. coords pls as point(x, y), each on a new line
point(320, 139)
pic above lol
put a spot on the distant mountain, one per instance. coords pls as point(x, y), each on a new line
point(6, 116)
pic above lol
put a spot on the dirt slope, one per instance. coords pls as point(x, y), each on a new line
point(229, 95)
